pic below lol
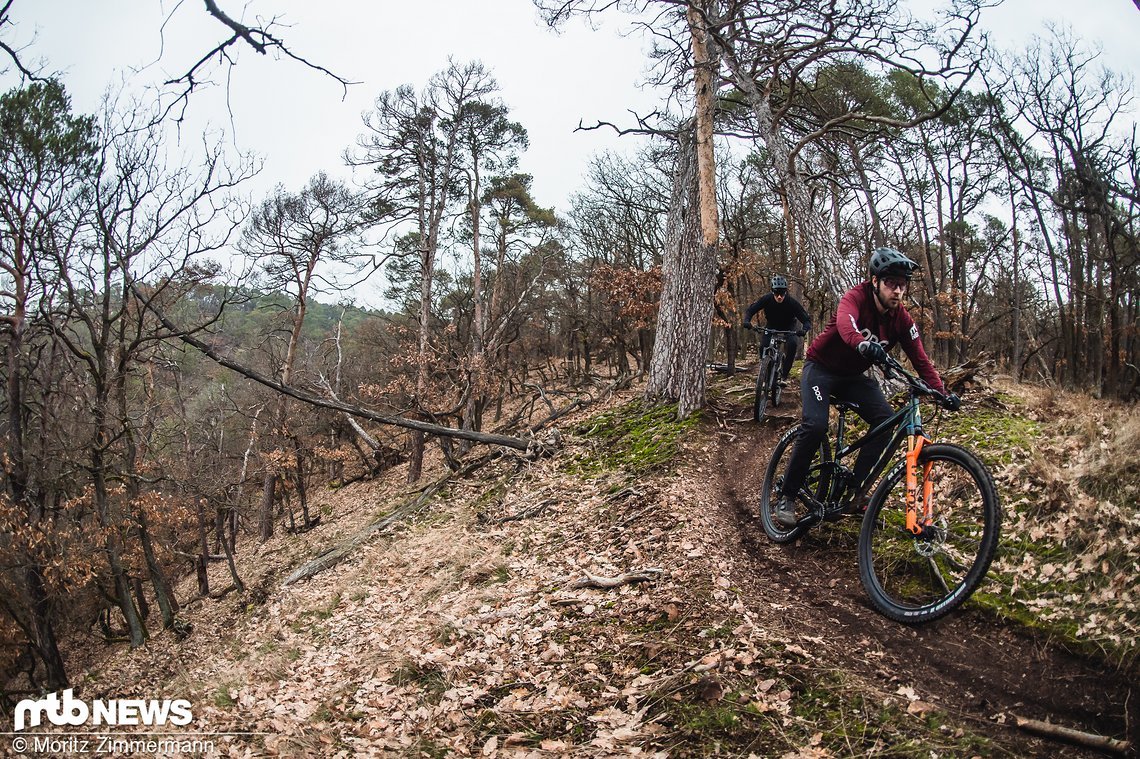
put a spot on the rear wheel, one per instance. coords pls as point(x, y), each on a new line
point(817, 483)
point(915, 579)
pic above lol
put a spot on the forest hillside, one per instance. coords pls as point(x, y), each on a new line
point(403, 453)
point(619, 597)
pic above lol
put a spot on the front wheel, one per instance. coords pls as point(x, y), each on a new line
point(914, 579)
point(761, 403)
point(774, 383)
point(817, 483)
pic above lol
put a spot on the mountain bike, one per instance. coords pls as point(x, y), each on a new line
point(769, 388)
point(932, 523)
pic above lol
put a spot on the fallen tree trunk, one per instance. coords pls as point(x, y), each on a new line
point(529, 445)
point(332, 556)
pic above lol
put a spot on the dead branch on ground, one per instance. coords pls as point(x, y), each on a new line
point(518, 516)
point(1069, 735)
point(333, 556)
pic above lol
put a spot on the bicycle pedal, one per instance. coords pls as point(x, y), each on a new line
point(833, 514)
point(810, 520)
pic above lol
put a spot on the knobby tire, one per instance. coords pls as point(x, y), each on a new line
point(914, 580)
point(774, 383)
point(761, 403)
point(817, 483)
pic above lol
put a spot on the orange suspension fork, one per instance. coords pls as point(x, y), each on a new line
point(913, 450)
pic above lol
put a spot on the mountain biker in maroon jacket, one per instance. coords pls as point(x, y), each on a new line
point(869, 321)
point(781, 311)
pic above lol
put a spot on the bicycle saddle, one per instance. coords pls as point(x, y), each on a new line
point(842, 405)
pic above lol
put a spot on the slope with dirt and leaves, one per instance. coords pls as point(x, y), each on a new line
point(619, 598)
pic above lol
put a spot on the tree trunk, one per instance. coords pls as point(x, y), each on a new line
point(704, 78)
point(1015, 306)
point(99, 445)
point(684, 317)
point(163, 595)
point(302, 493)
point(265, 513)
point(418, 440)
point(478, 325)
point(42, 632)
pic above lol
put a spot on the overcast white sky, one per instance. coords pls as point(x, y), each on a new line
point(297, 120)
point(296, 117)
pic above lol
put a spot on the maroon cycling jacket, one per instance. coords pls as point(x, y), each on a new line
point(857, 319)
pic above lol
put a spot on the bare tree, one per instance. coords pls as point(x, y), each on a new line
point(142, 217)
point(1077, 162)
point(40, 180)
point(490, 144)
point(296, 239)
point(412, 143)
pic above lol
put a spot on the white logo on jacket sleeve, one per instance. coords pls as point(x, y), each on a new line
point(914, 332)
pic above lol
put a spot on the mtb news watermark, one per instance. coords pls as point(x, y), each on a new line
point(64, 710)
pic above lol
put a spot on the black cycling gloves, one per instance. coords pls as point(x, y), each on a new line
point(873, 351)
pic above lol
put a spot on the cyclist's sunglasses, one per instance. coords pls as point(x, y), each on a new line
point(895, 283)
point(779, 292)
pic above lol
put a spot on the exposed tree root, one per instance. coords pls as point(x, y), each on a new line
point(607, 583)
point(527, 513)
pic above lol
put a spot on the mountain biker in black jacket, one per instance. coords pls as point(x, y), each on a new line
point(781, 311)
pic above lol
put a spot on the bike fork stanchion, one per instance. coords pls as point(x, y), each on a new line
point(913, 451)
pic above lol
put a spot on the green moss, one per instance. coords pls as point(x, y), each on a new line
point(848, 723)
point(222, 698)
point(722, 631)
point(491, 497)
point(704, 720)
point(635, 438)
point(1015, 596)
point(997, 436)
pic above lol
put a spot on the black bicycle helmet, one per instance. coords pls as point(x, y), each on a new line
point(888, 262)
point(779, 283)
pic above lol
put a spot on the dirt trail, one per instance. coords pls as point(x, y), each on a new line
point(969, 663)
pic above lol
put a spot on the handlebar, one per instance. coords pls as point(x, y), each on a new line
point(770, 331)
point(918, 386)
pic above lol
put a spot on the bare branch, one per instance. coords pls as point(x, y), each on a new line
point(14, 53)
point(607, 583)
point(521, 444)
point(261, 39)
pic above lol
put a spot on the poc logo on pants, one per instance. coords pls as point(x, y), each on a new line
point(818, 395)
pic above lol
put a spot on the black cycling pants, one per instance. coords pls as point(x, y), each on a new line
point(817, 386)
point(791, 347)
